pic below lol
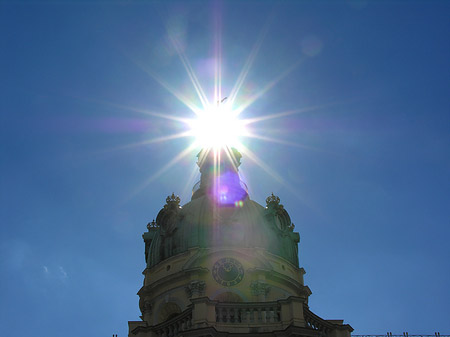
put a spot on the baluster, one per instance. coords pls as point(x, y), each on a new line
point(228, 315)
point(259, 315)
point(223, 315)
point(219, 314)
point(269, 317)
point(244, 316)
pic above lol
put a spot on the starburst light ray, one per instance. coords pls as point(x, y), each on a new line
point(267, 87)
point(227, 188)
point(203, 155)
point(182, 98)
point(218, 56)
point(148, 112)
point(162, 170)
point(286, 113)
point(190, 181)
point(185, 62)
point(248, 64)
point(154, 140)
point(187, 66)
point(253, 157)
point(277, 141)
point(229, 153)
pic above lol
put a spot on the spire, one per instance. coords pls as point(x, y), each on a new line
point(219, 176)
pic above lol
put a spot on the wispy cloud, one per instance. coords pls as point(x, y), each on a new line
point(63, 272)
point(45, 269)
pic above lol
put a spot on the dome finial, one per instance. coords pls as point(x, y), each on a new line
point(273, 201)
point(172, 201)
point(152, 225)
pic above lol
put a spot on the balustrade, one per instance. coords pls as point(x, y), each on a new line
point(172, 327)
point(248, 313)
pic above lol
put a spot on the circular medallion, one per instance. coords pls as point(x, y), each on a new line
point(228, 272)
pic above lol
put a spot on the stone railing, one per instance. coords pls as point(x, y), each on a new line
point(315, 322)
point(248, 313)
point(246, 317)
point(172, 327)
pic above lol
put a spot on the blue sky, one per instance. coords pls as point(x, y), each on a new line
point(363, 170)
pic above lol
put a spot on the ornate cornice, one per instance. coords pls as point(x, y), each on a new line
point(195, 288)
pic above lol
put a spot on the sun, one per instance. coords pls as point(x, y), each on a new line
point(217, 126)
point(217, 123)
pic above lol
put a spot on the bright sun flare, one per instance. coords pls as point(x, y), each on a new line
point(217, 126)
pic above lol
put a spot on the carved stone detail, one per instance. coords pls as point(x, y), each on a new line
point(151, 225)
point(172, 201)
point(276, 213)
point(259, 288)
point(272, 201)
point(195, 288)
point(147, 307)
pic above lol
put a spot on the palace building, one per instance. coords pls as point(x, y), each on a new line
point(224, 265)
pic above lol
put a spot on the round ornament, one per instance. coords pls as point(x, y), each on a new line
point(228, 272)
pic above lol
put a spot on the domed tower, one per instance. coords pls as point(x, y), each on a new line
point(223, 264)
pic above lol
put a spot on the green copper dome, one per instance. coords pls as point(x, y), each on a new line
point(222, 215)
